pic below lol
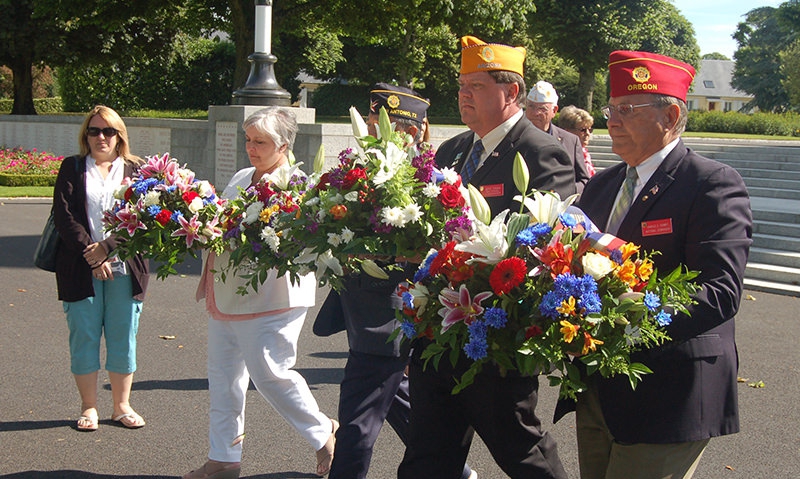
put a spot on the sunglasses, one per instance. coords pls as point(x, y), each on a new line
point(108, 132)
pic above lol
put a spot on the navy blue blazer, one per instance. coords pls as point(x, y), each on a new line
point(702, 209)
point(550, 166)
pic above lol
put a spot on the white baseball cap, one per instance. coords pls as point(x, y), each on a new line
point(543, 92)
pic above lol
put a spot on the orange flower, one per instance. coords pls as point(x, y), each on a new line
point(627, 273)
point(557, 258)
point(627, 250)
point(338, 211)
point(589, 343)
point(569, 330)
point(644, 269)
point(567, 307)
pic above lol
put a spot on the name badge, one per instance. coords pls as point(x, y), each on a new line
point(491, 191)
point(657, 227)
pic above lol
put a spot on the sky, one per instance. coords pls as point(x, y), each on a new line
point(715, 21)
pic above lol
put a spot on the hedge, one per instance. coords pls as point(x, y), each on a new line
point(43, 106)
point(27, 180)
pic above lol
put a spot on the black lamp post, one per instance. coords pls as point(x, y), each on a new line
point(261, 87)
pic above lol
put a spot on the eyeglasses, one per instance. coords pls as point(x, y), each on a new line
point(586, 130)
point(624, 109)
point(108, 132)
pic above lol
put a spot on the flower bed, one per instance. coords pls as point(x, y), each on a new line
point(19, 167)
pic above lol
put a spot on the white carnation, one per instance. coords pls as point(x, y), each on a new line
point(393, 216)
point(347, 235)
point(412, 213)
point(271, 238)
point(431, 190)
point(152, 198)
point(252, 212)
point(334, 239)
point(450, 175)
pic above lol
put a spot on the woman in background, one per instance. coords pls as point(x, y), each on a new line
point(579, 122)
point(102, 296)
point(255, 336)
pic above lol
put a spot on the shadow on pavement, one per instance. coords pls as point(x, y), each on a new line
point(70, 474)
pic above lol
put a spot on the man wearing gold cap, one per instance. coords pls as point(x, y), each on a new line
point(500, 407)
point(696, 212)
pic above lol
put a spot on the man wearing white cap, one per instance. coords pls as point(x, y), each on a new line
point(541, 108)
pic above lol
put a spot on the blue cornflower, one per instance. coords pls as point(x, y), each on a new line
point(550, 301)
point(407, 327)
point(652, 301)
point(153, 210)
point(530, 235)
point(591, 303)
point(495, 317)
point(616, 256)
point(175, 215)
point(663, 318)
point(476, 349)
point(141, 187)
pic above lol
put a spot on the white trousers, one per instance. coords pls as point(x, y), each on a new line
point(264, 350)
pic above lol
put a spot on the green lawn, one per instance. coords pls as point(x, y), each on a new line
point(26, 191)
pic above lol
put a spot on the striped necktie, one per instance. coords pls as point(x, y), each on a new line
point(624, 202)
point(471, 166)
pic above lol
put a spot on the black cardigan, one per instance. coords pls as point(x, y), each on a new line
point(73, 274)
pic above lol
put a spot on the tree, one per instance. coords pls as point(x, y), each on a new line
point(585, 32)
point(765, 32)
point(790, 70)
point(715, 56)
point(56, 33)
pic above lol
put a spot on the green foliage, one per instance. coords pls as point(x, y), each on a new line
point(192, 75)
point(786, 124)
point(790, 69)
point(27, 180)
point(764, 34)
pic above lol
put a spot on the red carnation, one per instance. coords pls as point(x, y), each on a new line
point(507, 275)
point(163, 217)
point(128, 193)
point(450, 196)
point(352, 177)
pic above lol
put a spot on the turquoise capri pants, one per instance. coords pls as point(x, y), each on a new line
point(111, 311)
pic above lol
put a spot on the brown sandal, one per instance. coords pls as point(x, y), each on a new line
point(325, 454)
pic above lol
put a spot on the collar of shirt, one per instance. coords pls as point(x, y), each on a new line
point(492, 139)
point(649, 166)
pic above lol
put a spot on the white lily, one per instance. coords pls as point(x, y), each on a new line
point(323, 261)
point(359, 125)
point(545, 207)
point(282, 175)
point(319, 159)
point(478, 205)
point(371, 268)
point(490, 243)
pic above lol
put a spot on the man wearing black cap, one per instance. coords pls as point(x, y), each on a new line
point(374, 387)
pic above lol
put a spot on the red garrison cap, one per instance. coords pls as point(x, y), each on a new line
point(633, 73)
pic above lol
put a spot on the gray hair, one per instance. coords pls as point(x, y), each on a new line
point(666, 100)
point(279, 123)
point(505, 76)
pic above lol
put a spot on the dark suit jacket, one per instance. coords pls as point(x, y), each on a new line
point(73, 274)
point(692, 393)
point(550, 166)
point(572, 144)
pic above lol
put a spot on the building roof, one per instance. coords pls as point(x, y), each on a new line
point(713, 79)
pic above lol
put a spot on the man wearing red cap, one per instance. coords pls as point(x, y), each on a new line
point(500, 407)
point(696, 212)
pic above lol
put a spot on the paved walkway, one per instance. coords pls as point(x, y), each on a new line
point(39, 403)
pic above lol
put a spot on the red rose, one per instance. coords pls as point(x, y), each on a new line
point(189, 196)
point(533, 331)
point(450, 196)
point(128, 193)
point(352, 177)
point(163, 217)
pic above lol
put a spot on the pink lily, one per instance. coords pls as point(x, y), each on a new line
point(459, 306)
point(129, 220)
point(159, 167)
point(191, 230)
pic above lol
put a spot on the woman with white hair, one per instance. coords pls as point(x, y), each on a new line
point(255, 336)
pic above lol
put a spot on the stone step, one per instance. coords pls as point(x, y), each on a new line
point(762, 213)
point(773, 273)
point(773, 192)
point(774, 257)
point(771, 287)
point(783, 243)
point(765, 162)
point(769, 174)
point(777, 182)
point(776, 228)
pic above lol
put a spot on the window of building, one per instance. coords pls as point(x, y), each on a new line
point(690, 105)
point(708, 83)
point(728, 106)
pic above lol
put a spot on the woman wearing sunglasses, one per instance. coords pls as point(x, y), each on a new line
point(101, 295)
point(579, 122)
